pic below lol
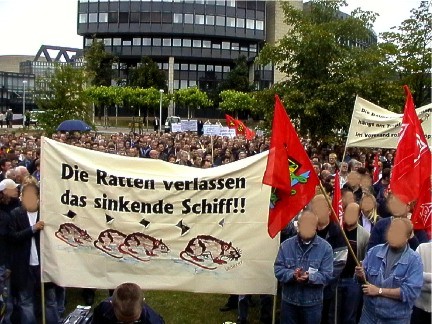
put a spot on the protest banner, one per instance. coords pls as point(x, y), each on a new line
point(228, 132)
point(373, 126)
point(176, 127)
point(111, 219)
point(209, 129)
point(189, 125)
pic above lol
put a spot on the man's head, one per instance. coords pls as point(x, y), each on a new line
point(397, 207)
point(351, 214)
point(30, 197)
point(399, 232)
point(321, 209)
point(20, 173)
point(332, 158)
point(307, 225)
point(9, 188)
point(127, 302)
point(5, 164)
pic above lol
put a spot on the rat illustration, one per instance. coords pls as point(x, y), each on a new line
point(109, 241)
point(142, 246)
point(205, 248)
point(72, 235)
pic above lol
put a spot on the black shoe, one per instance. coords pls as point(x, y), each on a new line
point(227, 307)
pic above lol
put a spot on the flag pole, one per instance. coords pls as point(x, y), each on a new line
point(43, 302)
point(343, 232)
point(274, 309)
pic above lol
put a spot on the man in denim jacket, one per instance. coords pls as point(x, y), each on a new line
point(394, 275)
point(304, 265)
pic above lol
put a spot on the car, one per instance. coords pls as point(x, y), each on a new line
point(171, 120)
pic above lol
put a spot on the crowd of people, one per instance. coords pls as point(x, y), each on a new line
point(321, 281)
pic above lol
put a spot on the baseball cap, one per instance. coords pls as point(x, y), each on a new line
point(7, 184)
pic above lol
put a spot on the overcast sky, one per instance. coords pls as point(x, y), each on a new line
point(27, 24)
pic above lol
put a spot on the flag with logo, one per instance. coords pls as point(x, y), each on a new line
point(289, 171)
point(240, 127)
point(412, 164)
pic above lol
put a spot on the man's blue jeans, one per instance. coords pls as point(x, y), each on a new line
point(29, 300)
point(292, 314)
point(348, 298)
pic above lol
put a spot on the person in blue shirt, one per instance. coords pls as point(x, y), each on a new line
point(393, 273)
point(304, 265)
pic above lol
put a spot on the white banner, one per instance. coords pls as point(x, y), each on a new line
point(189, 125)
point(176, 127)
point(111, 219)
point(209, 129)
point(228, 132)
point(373, 126)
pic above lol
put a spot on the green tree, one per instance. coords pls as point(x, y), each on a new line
point(325, 70)
point(409, 49)
point(192, 98)
point(238, 77)
point(64, 99)
point(98, 64)
point(234, 101)
point(147, 75)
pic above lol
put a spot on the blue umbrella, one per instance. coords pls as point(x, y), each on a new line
point(73, 125)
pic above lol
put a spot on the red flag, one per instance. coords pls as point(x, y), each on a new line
point(412, 164)
point(240, 127)
point(231, 121)
point(337, 200)
point(376, 170)
point(421, 217)
point(289, 171)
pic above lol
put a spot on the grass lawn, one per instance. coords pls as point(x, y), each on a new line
point(178, 307)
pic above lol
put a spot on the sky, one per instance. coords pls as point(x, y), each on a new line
point(28, 24)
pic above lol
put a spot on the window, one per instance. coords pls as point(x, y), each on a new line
point(210, 20)
point(220, 21)
point(82, 18)
point(88, 41)
point(192, 67)
point(165, 66)
point(156, 17)
point(166, 42)
point(145, 17)
point(250, 24)
point(253, 48)
point(201, 67)
point(176, 66)
point(230, 3)
point(127, 43)
point(218, 68)
point(157, 42)
point(146, 41)
point(166, 18)
point(230, 22)
point(177, 18)
point(244, 48)
point(206, 44)
point(116, 41)
point(260, 25)
point(107, 41)
point(134, 17)
point(199, 19)
point(226, 69)
point(226, 45)
point(220, 2)
point(177, 42)
point(192, 83)
point(235, 46)
point(188, 18)
point(92, 17)
point(176, 84)
point(123, 17)
point(240, 22)
point(136, 41)
point(197, 43)
point(183, 84)
point(187, 43)
point(103, 17)
point(183, 67)
point(210, 68)
point(113, 17)
point(216, 45)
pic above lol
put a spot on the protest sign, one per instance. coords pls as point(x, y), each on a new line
point(373, 126)
point(209, 129)
point(111, 219)
point(189, 125)
point(176, 127)
point(228, 132)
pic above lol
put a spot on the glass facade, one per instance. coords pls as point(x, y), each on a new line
point(12, 91)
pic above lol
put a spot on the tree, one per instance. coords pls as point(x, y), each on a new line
point(409, 50)
point(235, 101)
point(98, 64)
point(327, 65)
point(238, 77)
point(147, 75)
point(64, 99)
point(192, 98)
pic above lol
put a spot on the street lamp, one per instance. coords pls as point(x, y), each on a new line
point(160, 110)
point(24, 93)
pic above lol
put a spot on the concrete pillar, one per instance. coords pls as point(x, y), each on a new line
point(171, 84)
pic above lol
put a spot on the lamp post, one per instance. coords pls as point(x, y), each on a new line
point(160, 110)
point(24, 95)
